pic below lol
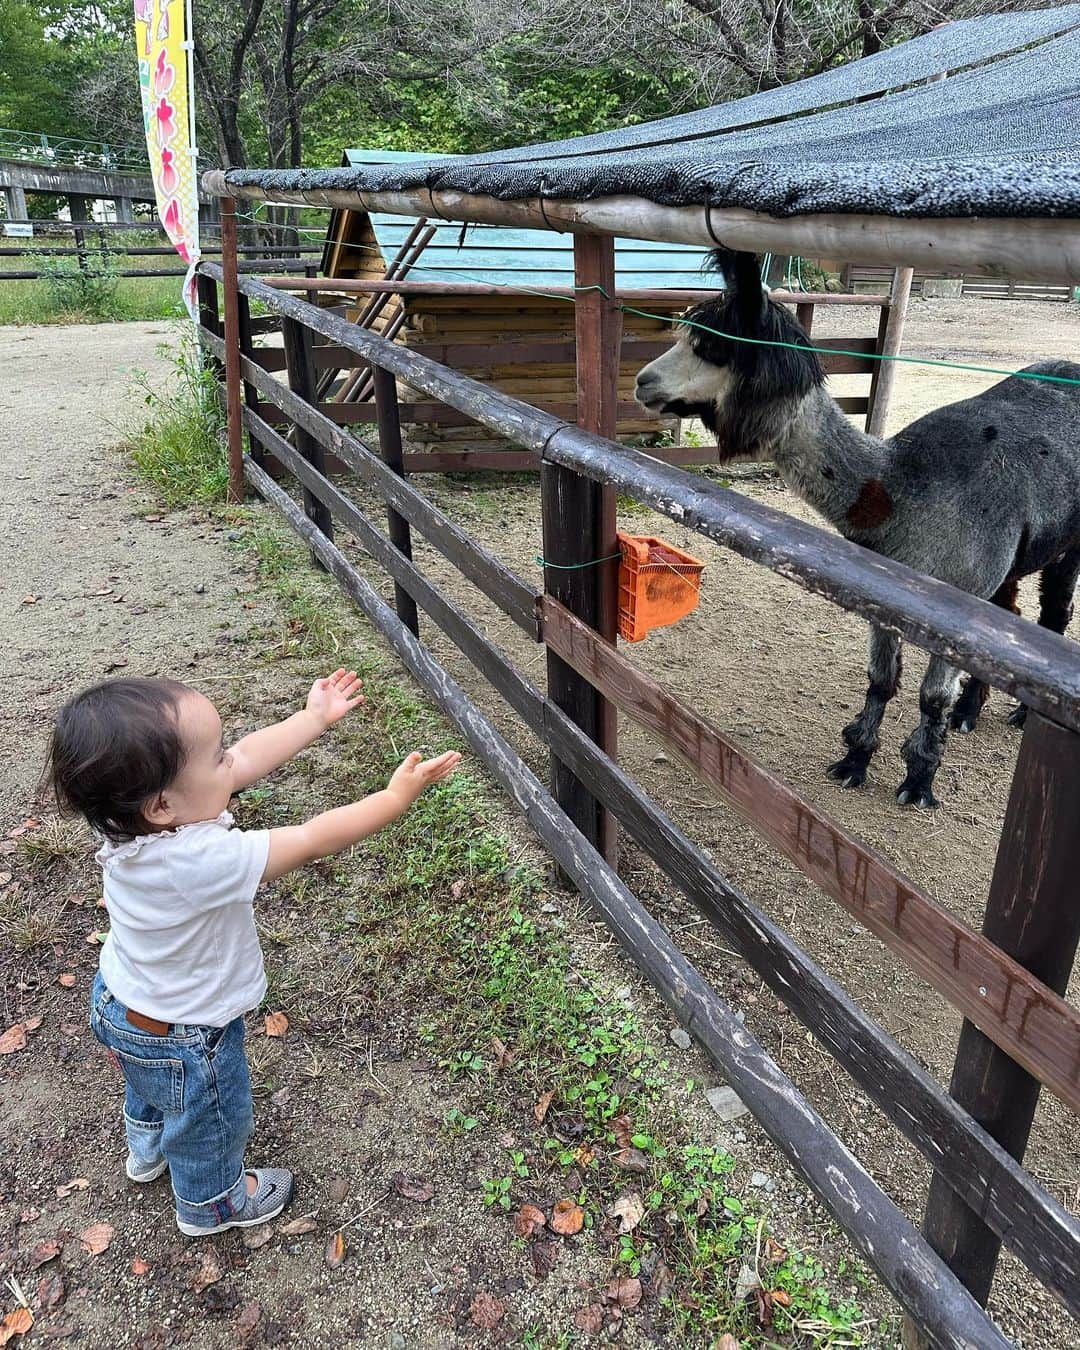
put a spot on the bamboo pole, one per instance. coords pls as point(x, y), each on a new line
point(1042, 249)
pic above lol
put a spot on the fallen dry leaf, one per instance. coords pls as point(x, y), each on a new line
point(118, 664)
point(412, 1186)
point(51, 1292)
point(727, 1342)
point(661, 1280)
point(16, 1323)
point(504, 1056)
point(13, 1039)
point(335, 1250)
point(75, 1184)
point(567, 1218)
point(254, 1238)
point(276, 1024)
point(67, 980)
point(632, 1160)
point(623, 1131)
point(747, 1283)
point(541, 1108)
point(96, 939)
point(486, 1311)
point(544, 1257)
point(774, 1253)
point(32, 1023)
point(629, 1209)
point(781, 1296)
point(97, 1238)
point(625, 1293)
point(209, 1273)
point(307, 1223)
point(527, 1220)
point(338, 1189)
point(44, 1251)
point(139, 1266)
point(30, 599)
point(583, 1155)
point(589, 1319)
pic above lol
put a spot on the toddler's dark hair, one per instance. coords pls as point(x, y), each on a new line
point(114, 746)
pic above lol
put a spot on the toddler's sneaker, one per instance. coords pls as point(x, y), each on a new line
point(137, 1171)
point(273, 1189)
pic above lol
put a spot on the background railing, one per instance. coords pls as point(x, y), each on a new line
point(1008, 980)
point(38, 148)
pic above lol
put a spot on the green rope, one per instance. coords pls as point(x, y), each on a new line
point(869, 356)
point(574, 567)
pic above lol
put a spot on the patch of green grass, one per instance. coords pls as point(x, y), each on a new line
point(177, 443)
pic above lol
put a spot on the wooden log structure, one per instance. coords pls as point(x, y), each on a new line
point(921, 1282)
point(968, 1160)
point(979, 1170)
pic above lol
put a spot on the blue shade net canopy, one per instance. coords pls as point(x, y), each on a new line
point(1000, 137)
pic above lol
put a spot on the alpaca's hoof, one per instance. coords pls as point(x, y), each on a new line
point(912, 794)
point(849, 772)
point(963, 723)
point(1018, 716)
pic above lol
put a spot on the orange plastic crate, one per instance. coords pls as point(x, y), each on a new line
point(659, 584)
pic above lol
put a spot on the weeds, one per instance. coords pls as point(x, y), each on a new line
point(177, 445)
point(78, 289)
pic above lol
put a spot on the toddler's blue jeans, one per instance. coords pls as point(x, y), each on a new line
point(188, 1100)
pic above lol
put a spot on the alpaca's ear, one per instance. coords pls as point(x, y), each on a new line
point(745, 280)
point(742, 278)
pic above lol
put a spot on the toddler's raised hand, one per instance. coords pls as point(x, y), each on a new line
point(416, 773)
point(334, 695)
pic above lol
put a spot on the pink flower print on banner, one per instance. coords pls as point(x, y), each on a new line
point(173, 220)
point(164, 74)
point(163, 23)
point(182, 249)
point(166, 121)
point(144, 13)
point(170, 179)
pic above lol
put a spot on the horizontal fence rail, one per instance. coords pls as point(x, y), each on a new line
point(1035, 1027)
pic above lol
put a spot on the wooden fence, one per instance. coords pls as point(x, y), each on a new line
point(1008, 980)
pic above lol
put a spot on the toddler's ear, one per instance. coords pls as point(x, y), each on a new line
point(157, 812)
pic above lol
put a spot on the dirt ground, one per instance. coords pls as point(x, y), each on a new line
point(167, 594)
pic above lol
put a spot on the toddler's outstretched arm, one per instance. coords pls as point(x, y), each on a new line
point(263, 751)
point(294, 845)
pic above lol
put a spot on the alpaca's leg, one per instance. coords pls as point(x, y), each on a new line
point(923, 749)
point(861, 736)
point(1056, 587)
point(975, 692)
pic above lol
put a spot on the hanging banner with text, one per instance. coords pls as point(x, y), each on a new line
point(167, 85)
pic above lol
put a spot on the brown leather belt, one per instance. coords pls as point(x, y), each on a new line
point(150, 1024)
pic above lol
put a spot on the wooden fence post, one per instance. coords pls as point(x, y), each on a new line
point(247, 348)
point(1032, 915)
point(301, 368)
point(389, 424)
point(206, 289)
point(891, 335)
point(232, 350)
point(579, 525)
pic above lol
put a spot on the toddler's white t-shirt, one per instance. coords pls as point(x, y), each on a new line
point(182, 945)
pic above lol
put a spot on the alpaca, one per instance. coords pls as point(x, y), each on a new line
point(978, 494)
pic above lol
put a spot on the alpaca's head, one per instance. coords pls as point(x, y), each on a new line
point(744, 392)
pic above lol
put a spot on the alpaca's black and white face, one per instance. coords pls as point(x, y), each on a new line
point(723, 370)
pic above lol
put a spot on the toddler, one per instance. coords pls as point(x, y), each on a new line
point(144, 762)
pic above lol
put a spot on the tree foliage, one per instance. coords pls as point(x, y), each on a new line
point(291, 82)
